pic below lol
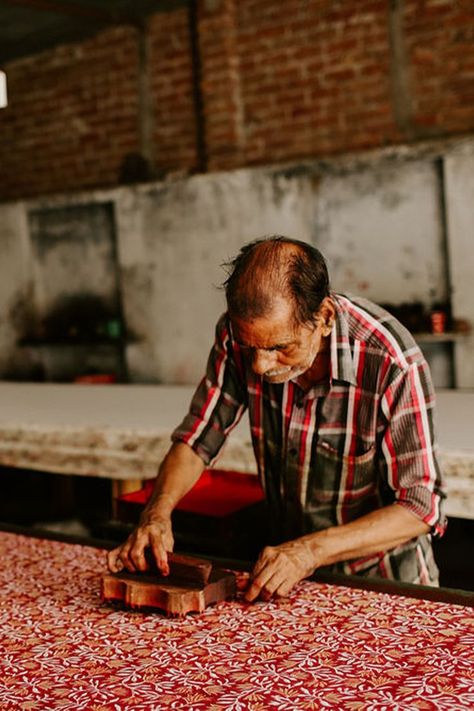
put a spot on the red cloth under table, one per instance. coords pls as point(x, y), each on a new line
point(217, 493)
point(324, 646)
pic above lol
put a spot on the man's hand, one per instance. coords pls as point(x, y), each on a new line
point(279, 568)
point(154, 533)
point(178, 473)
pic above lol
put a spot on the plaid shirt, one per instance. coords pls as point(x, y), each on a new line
point(360, 441)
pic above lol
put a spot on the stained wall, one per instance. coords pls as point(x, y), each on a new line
point(379, 219)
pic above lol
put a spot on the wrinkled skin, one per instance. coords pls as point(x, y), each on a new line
point(279, 349)
point(155, 534)
point(280, 568)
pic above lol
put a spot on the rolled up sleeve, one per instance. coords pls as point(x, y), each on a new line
point(410, 453)
point(219, 401)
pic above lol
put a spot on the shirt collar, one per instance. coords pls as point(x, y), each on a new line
point(342, 365)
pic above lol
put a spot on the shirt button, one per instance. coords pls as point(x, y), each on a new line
point(293, 451)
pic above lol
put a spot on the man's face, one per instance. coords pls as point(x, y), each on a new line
point(278, 348)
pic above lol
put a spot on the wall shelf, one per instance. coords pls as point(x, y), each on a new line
point(448, 337)
point(42, 343)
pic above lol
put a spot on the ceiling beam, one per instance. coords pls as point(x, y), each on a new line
point(31, 26)
point(127, 11)
point(61, 8)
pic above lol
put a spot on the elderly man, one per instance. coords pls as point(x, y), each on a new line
point(340, 404)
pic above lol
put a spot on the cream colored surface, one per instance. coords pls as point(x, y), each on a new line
point(123, 431)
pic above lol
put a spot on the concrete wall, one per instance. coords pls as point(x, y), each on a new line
point(172, 240)
point(379, 222)
point(381, 232)
point(16, 287)
point(459, 166)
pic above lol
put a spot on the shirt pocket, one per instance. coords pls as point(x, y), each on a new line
point(337, 478)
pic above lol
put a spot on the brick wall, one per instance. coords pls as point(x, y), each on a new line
point(316, 80)
point(171, 89)
point(439, 36)
point(72, 116)
point(279, 80)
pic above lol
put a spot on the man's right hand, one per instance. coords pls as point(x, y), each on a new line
point(179, 471)
point(154, 533)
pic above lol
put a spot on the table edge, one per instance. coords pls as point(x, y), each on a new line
point(434, 594)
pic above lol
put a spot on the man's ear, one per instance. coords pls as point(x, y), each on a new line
point(326, 315)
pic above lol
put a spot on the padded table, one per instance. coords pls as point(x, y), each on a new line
point(325, 646)
point(122, 432)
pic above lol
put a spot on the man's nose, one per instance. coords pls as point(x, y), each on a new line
point(262, 361)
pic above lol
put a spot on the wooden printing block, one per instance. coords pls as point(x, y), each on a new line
point(183, 569)
point(176, 595)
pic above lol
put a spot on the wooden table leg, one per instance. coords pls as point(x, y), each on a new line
point(123, 486)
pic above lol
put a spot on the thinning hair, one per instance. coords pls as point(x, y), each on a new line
point(274, 267)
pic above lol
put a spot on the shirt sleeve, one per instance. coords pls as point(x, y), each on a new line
point(410, 452)
point(219, 401)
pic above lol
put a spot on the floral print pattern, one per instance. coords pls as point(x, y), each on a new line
point(323, 647)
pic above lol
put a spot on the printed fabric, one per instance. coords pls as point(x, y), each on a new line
point(323, 647)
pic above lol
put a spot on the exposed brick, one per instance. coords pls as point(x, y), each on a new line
point(61, 102)
point(441, 65)
point(280, 81)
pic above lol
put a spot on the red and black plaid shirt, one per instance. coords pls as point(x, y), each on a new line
point(327, 456)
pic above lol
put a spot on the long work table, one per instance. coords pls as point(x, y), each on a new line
point(122, 432)
point(325, 646)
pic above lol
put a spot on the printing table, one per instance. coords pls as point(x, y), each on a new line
point(122, 432)
point(325, 646)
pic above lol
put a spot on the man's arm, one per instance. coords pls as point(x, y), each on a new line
point(213, 413)
point(178, 473)
point(279, 568)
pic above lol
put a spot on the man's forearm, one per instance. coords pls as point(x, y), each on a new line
point(179, 471)
point(379, 530)
point(279, 568)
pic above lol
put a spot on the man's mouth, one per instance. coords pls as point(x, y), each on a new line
point(277, 373)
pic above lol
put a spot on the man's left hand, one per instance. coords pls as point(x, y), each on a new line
point(279, 568)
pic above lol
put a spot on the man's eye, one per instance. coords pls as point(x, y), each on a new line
point(252, 349)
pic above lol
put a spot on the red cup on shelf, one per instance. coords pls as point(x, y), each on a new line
point(438, 321)
point(96, 379)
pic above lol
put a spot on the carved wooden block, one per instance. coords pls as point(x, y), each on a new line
point(183, 591)
point(183, 568)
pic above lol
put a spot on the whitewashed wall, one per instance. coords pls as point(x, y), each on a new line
point(16, 284)
point(459, 171)
point(381, 231)
point(172, 241)
point(378, 222)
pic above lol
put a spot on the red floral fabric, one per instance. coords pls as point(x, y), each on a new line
point(324, 647)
